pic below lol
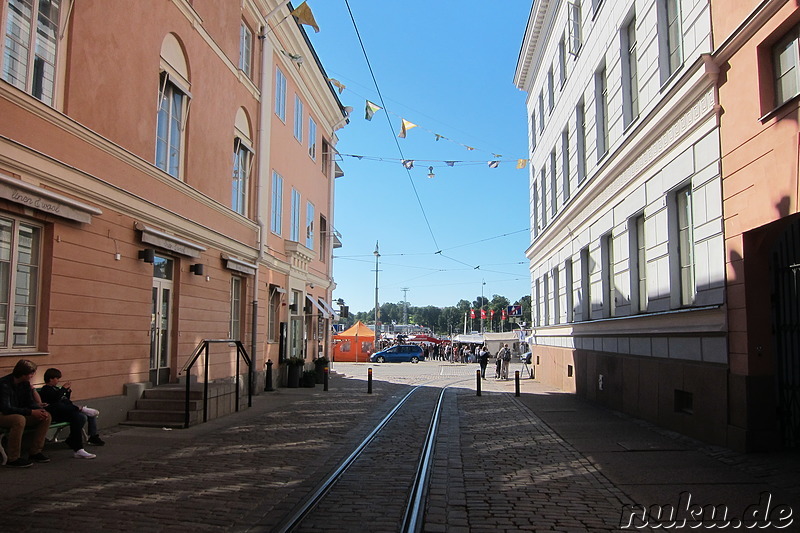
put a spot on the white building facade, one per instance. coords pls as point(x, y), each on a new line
point(627, 256)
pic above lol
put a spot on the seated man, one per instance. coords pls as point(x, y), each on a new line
point(19, 409)
point(59, 405)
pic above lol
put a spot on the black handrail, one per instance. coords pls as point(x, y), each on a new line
point(203, 347)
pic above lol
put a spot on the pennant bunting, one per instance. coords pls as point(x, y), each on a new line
point(438, 136)
point(497, 156)
point(336, 83)
point(522, 163)
point(405, 125)
point(469, 147)
point(408, 163)
point(305, 16)
point(450, 163)
point(371, 109)
point(494, 164)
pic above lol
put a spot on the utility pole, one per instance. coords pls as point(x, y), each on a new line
point(377, 256)
point(405, 304)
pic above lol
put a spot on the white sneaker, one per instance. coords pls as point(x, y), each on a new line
point(83, 454)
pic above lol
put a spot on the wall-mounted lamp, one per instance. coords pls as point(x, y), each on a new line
point(197, 269)
point(148, 255)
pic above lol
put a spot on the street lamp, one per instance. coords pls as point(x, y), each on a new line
point(377, 255)
point(482, 312)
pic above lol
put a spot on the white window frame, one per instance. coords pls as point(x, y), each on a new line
point(630, 73)
point(276, 217)
point(242, 155)
point(298, 118)
point(310, 214)
point(236, 308)
point(574, 25)
point(670, 37)
point(21, 294)
point(685, 245)
point(601, 109)
point(786, 67)
point(173, 110)
point(280, 94)
point(294, 220)
point(553, 188)
point(30, 50)
point(246, 50)
point(312, 138)
point(580, 140)
point(565, 167)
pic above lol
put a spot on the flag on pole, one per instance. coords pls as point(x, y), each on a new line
point(405, 125)
point(483, 314)
point(472, 313)
point(504, 316)
point(305, 16)
point(491, 313)
point(522, 163)
point(371, 110)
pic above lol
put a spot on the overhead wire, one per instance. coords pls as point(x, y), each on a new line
point(388, 121)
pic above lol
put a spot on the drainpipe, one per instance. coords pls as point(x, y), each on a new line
point(264, 129)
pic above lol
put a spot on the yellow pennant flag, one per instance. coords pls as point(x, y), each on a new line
point(405, 126)
point(305, 16)
point(336, 83)
point(522, 163)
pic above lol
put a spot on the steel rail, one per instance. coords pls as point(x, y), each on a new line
point(415, 510)
point(311, 502)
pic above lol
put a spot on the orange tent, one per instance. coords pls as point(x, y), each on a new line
point(354, 344)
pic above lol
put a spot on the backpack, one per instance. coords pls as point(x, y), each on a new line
point(506, 354)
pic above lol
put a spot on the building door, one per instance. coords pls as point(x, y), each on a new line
point(160, 320)
point(785, 269)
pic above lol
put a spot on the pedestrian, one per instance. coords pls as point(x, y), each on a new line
point(505, 356)
point(18, 410)
point(61, 408)
point(498, 362)
point(483, 359)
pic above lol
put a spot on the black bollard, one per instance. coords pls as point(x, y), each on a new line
point(478, 383)
point(268, 377)
point(325, 373)
point(369, 381)
point(516, 384)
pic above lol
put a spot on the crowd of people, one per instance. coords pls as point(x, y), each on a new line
point(467, 353)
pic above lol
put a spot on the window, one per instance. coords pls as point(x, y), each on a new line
point(533, 131)
point(310, 226)
point(246, 50)
point(170, 125)
point(543, 178)
point(294, 226)
point(669, 37)
point(580, 139)
point(562, 62)
point(569, 290)
point(608, 271)
point(601, 108)
point(596, 6)
point(312, 138)
point(630, 85)
point(586, 285)
point(541, 111)
point(553, 192)
point(785, 66)
point(556, 297)
point(298, 118)
point(20, 260)
point(535, 210)
point(326, 158)
point(280, 94)
point(683, 200)
point(275, 295)
point(538, 304)
point(565, 163)
point(545, 301)
point(236, 309)
point(277, 203)
point(29, 55)
point(640, 277)
point(324, 237)
point(575, 39)
point(551, 98)
point(241, 174)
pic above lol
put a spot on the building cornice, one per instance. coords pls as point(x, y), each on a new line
point(532, 42)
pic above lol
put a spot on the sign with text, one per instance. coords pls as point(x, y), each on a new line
point(514, 310)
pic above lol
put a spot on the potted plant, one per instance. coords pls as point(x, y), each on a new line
point(294, 367)
point(309, 378)
point(319, 368)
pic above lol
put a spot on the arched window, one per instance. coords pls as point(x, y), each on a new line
point(242, 157)
point(173, 107)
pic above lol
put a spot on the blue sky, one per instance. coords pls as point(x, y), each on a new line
point(447, 67)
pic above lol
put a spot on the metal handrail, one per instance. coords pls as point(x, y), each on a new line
point(203, 348)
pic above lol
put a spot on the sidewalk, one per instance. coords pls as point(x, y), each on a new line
point(248, 469)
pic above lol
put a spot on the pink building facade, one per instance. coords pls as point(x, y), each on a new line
point(166, 177)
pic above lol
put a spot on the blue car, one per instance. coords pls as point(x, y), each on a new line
point(398, 354)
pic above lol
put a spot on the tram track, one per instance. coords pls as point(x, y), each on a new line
point(384, 480)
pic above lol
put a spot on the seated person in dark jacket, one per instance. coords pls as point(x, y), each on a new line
point(18, 410)
point(59, 405)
